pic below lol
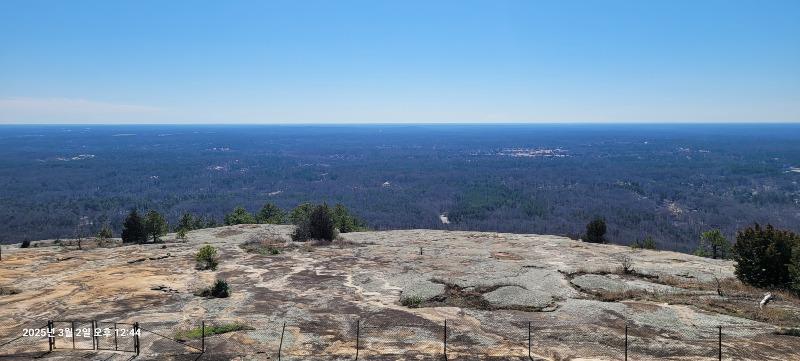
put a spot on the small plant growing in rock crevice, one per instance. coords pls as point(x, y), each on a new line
point(626, 265)
point(207, 258)
point(411, 302)
point(220, 289)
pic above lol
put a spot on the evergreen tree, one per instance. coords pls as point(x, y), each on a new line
point(321, 223)
point(105, 232)
point(763, 256)
point(344, 221)
point(239, 216)
point(133, 229)
point(155, 225)
point(596, 231)
point(301, 213)
point(271, 214)
point(186, 223)
point(713, 244)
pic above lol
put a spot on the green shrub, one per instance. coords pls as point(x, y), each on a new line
point(207, 258)
point(411, 302)
point(220, 289)
point(181, 234)
point(647, 243)
point(764, 257)
point(318, 225)
point(596, 231)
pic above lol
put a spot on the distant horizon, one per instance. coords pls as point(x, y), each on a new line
point(409, 123)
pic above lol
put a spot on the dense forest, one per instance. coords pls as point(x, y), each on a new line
point(667, 182)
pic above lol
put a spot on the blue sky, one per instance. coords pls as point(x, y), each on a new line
point(399, 61)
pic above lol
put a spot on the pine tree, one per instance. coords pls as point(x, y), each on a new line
point(595, 231)
point(301, 213)
point(133, 229)
point(344, 221)
point(186, 223)
point(713, 244)
point(321, 223)
point(239, 216)
point(318, 224)
point(155, 225)
point(271, 214)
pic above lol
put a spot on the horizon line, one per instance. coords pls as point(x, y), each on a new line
point(414, 123)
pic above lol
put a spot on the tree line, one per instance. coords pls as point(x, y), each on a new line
point(312, 221)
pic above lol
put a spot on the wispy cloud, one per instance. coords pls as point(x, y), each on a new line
point(69, 106)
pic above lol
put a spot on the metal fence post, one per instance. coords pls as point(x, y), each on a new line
point(203, 336)
point(136, 337)
point(445, 339)
point(626, 341)
point(280, 346)
point(115, 337)
point(720, 343)
point(73, 334)
point(529, 341)
point(94, 335)
point(358, 335)
point(51, 337)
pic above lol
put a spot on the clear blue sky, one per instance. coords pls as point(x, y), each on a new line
point(399, 61)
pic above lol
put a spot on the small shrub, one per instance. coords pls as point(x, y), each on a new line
point(207, 258)
point(647, 243)
point(181, 234)
point(626, 265)
point(25, 244)
point(411, 302)
point(105, 233)
point(220, 289)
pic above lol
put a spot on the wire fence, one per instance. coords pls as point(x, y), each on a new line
point(390, 339)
